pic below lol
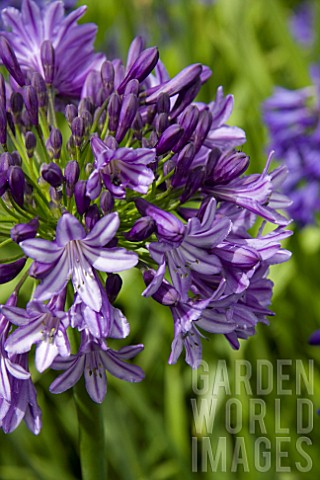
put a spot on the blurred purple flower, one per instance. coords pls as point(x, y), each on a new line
point(72, 43)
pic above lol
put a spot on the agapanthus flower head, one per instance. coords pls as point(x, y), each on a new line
point(136, 174)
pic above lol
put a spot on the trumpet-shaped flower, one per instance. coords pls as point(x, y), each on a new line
point(73, 254)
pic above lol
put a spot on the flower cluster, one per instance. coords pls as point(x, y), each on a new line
point(134, 173)
point(292, 118)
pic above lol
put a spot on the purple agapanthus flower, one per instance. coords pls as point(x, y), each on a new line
point(17, 392)
point(93, 358)
point(120, 169)
point(8, 368)
point(41, 325)
point(23, 404)
point(108, 322)
point(191, 251)
point(73, 254)
point(73, 56)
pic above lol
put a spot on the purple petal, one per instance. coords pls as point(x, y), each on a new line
point(129, 351)
point(5, 388)
point(68, 228)
point(17, 371)
point(120, 327)
point(70, 377)
point(41, 250)
point(93, 187)
point(55, 281)
point(110, 260)
point(225, 137)
point(120, 369)
point(15, 315)
point(46, 352)
point(86, 285)
point(22, 339)
point(157, 280)
point(103, 231)
point(96, 382)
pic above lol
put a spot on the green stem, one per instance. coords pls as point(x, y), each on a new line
point(5, 242)
point(51, 109)
point(91, 435)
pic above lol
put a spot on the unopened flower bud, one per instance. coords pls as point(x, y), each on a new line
point(183, 163)
point(17, 183)
point(163, 103)
point(70, 146)
point(106, 202)
point(52, 174)
point(141, 230)
point(16, 158)
point(132, 87)
point(169, 138)
point(31, 103)
point(8, 271)
point(87, 120)
point(55, 195)
point(202, 128)
point(16, 105)
point(41, 89)
point(71, 174)
point(30, 143)
point(55, 142)
point(47, 55)
point(78, 130)
point(114, 111)
point(10, 61)
point(113, 286)
point(3, 182)
point(3, 125)
point(92, 216)
point(188, 121)
point(71, 113)
point(136, 47)
point(25, 120)
point(127, 113)
point(10, 123)
point(81, 198)
point(111, 142)
point(23, 231)
point(141, 68)
point(188, 76)
point(168, 227)
point(137, 126)
point(161, 123)
point(85, 104)
point(2, 92)
point(6, 161)
point(194, 181)
point(107, 77)
point(185, 98)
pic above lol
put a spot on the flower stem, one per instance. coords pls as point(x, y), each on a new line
point(91, 435)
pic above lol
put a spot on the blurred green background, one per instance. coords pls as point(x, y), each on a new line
point(150, 426)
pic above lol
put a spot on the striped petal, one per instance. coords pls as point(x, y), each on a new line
point(41, 250)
